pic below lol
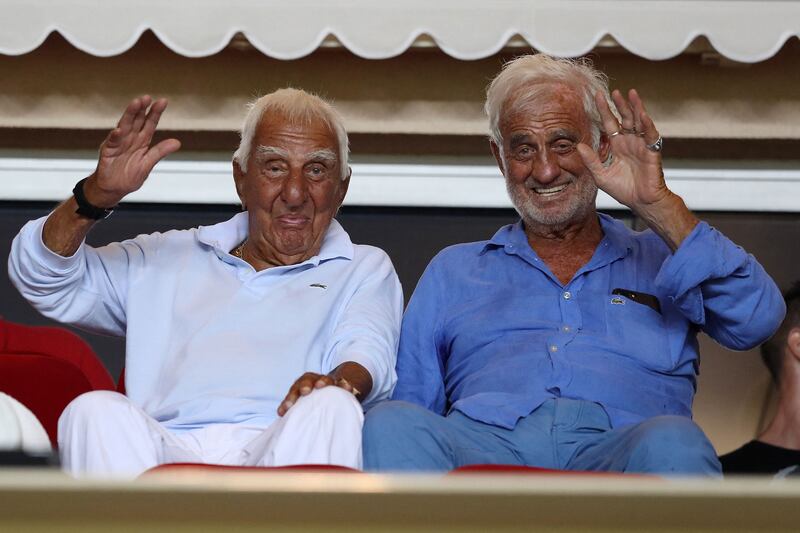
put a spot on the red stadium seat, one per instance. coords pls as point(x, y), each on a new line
point(173, 467)
point(535, 470)
point(45, 368)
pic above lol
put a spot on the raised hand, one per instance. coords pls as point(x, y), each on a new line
point(126, 155)
point(635, 176)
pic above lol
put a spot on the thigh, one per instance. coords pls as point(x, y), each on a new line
point(321, 428)
point(103, 432)
point(666, 445)
point(401, 436)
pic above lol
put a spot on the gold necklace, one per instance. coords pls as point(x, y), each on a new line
point(238, 251)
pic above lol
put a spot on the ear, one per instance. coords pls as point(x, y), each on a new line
point(239, 178)
point(604, 148)
point(497, 156)
point(793, 342)
point(343, 186)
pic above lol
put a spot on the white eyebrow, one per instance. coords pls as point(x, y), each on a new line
point(263, 152)
point(327, 155)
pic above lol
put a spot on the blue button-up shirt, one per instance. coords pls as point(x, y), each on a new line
point(491, 332)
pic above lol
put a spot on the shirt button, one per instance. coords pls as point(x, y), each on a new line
point(566, 329)
point(567, 295)
point(553, 348)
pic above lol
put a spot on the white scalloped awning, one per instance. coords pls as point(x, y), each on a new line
point(746, 31)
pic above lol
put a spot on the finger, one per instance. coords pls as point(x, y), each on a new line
point(624, 109)
point(125, 123)
point(151, 122)
point(288, 401)
point(305, 385)
point(610, 123)
point(591, 161)
point(159, 152)
point(323, 381)
point(141, 115)
point(647, 126)
point(113, 139)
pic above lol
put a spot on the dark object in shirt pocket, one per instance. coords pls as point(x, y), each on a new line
point(640, 298)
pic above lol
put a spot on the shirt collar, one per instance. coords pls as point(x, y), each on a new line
point(512, 236)
point(224, 236)
point(616, 234)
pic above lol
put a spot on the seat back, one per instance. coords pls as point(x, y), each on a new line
point(45, 368)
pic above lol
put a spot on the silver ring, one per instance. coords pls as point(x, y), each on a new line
point(614, 134)
point(656, 146)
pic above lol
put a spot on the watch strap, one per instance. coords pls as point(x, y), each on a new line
point(87, 209)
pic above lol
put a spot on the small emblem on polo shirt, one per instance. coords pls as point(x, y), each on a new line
point(318, 286)
point(617, 301)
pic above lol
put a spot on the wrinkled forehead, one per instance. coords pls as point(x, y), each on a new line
point(306, 133)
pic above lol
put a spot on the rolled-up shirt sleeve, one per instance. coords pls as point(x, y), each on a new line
point(86, 289)
point(722, 289)
point(368, 329)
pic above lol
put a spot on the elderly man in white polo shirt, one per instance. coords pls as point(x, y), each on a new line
point(249, 342)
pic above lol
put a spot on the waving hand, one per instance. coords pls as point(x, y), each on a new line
point(126, 155)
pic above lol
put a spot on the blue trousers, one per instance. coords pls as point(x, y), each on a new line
point(562, 433)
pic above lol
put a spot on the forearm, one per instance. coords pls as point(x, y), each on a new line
point(722, 289)
point(355, 374)
point(669, 218)
point(65, 229)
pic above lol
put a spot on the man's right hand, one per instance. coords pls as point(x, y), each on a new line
point(126, 157)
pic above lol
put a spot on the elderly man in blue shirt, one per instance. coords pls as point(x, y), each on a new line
point(249, 342)
point(568, 340)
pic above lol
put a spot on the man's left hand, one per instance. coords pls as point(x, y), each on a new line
point(349, 376)
point(635, 176)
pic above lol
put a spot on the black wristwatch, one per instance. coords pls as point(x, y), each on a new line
point(85, 208)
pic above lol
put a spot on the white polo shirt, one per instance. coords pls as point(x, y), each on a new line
point(208, 338)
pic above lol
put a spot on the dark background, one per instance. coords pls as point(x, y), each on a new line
point(411, 237)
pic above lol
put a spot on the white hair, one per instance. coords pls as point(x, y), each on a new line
point(299, 108)
point(524, 79)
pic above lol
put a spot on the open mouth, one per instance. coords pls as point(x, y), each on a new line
point(549, 191)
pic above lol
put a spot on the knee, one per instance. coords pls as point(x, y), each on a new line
point(675, 444)
point(391, 422)
point(91, 407)
point(333, 402)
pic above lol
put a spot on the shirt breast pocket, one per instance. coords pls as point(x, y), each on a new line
point(638, 331)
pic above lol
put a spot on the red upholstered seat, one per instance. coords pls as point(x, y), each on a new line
point(171, 467)
point(519, 469)
point(45, 368)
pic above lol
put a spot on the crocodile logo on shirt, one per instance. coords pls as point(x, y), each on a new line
point(318, 286)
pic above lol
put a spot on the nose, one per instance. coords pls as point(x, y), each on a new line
point(295, 189)
point(544, 167)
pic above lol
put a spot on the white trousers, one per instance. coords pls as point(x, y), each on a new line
point(20, 429)
point(103, 433)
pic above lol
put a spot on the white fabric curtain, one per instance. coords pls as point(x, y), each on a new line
point(745, 31)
